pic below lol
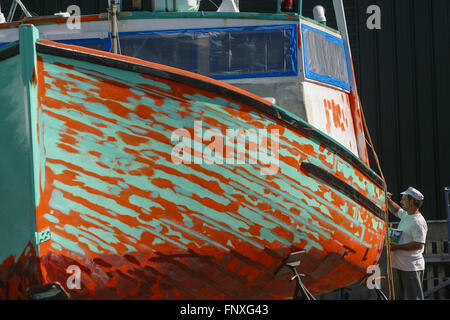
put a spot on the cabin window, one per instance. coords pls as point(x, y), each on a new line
point(251, 53)
point(324, 58)
point(219, 53)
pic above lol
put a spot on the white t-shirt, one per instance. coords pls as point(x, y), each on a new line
point(414, 228)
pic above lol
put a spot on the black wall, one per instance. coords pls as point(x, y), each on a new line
point(403, 76)
point(403, 73)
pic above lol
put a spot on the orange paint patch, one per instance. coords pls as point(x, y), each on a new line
point(67, 148)
point(131, 139)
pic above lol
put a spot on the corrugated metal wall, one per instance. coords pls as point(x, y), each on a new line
point(403, 73)
point(404, 82)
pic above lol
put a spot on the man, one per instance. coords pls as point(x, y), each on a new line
point(406, 255)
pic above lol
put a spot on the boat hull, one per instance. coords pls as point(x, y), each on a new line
point(127, 220)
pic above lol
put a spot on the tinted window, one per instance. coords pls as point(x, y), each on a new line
point(324, 57)
point(220, 53)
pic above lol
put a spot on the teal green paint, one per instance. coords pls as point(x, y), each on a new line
point(92, 247)
point(57, 201)
point(187, 221)
point(92, 241)
point(157, 241)
point(159, 235)
point(199, 207)
point(17, 214)
point(266, 234)
point(93, 70)
point(302, 219)
point(130, 248)
point(112, 222)
point(363, 232)
point(56, 246)
point(306, 210)
point(66, 244)
point(171, 233)
point(196, 234)
point(28, 36)
point(96, 222)
point(97, 184)
point(213, 224)
point(51, 218)
point(104, 236)
point(143, 202)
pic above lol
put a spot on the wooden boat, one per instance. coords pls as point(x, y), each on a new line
point(119, 179)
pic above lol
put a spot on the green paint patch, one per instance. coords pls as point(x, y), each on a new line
point(143, 202)
point(56, 246)
point(66, 244)
point(51, 218)
point(157, 241)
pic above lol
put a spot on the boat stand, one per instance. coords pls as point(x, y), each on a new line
point(289, 265)
point(381, 295)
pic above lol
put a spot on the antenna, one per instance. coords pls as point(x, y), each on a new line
point(12, 10)
point(228, 6)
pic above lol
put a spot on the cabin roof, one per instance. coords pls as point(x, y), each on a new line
point(135, 15)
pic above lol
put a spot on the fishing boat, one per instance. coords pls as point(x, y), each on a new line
point(191, 164)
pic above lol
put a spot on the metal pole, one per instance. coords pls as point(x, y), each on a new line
point(23, 8)
point(300, 7)
point(342, 27)
point(447, 208)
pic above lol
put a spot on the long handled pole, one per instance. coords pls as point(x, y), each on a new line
point(342, 26)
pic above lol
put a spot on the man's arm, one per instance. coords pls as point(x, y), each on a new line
point(411, 246)
point(392, 206)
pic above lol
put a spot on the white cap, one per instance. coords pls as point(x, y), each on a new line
point(414, 193)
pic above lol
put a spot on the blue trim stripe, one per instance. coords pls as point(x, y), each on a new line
point(320, 77)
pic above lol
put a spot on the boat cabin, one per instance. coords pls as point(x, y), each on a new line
point(296, 62)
